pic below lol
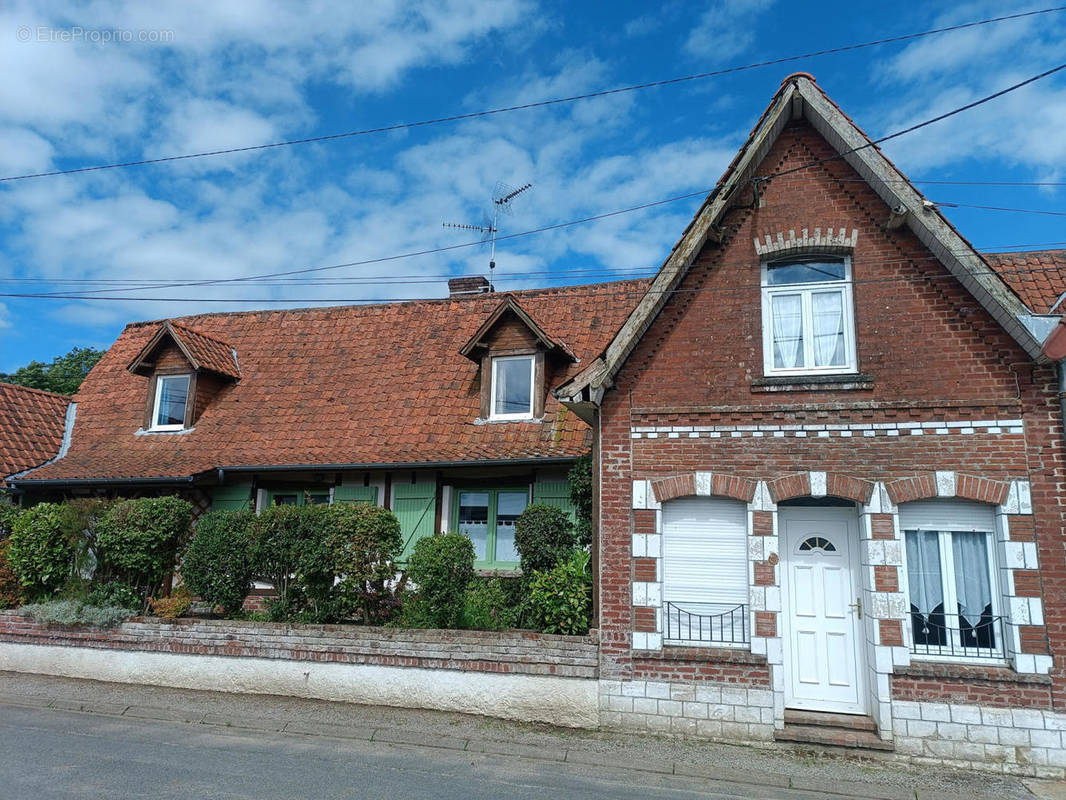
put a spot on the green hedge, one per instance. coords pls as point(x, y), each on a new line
point(138, 541)
point(217, 564)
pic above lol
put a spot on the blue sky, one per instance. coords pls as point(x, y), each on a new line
point(251, 72)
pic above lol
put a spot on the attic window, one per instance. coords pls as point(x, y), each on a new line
point(512, 387)
point(171, 402)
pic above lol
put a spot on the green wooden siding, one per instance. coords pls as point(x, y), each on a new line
point(415, 505)
point(231, 498)
point(554, 493)
point(355, 494)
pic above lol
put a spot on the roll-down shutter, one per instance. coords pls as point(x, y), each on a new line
point(705, 552)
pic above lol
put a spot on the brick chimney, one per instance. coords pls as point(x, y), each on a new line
point(468, 286)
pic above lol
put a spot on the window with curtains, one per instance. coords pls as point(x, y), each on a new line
point(951, 579)
point(512, 387)
point(488, 517)
point(808, 320)
point(171, 402)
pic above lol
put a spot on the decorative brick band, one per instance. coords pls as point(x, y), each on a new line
point(992, 427)
point(820, 484)
point(831, 241)
point(479, 651)
point(704, 484)
point(948, 484)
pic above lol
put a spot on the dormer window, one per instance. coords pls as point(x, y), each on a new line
point(808, 323)
point(512, 387)
point(171, 402)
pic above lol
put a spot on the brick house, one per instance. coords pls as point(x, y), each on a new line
point(440, 409)
point(31, 430)
point(830, 464)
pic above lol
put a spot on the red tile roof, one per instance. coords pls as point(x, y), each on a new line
point(31, 427)
point(1038, 277)
point(203, 351)
point(371, 384)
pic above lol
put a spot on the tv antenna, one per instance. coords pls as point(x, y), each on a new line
point(502, 197)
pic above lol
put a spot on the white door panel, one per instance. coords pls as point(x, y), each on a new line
point(821, 626)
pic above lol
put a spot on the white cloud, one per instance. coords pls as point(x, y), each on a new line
point(725, 29)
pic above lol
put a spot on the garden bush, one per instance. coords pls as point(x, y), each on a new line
point(43, 546)
point(276, 542)
point(442, 568)
point(487, 607)
point(8, 513)
point(76, 612)
point(580, 480)
point(543, 535)
point(174, 606)
point(364, 542)
point(115, 593)
point(560, 599)
point(138, 541)
point(217, 564)
point(10, 585)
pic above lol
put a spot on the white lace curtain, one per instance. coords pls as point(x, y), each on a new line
point(923, 571)
point(827, 319)
point(788, 331)
point(970, 554)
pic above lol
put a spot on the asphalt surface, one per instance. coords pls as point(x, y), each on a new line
point(64, 738)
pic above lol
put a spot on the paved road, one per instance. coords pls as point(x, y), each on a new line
point(47, 755)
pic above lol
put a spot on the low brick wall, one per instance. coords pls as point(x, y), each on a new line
point(518, 652)
point(511, 674)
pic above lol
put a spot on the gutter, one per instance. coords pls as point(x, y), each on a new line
point(221, 471)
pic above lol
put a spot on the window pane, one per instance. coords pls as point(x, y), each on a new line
point(973, 593)
point(784, 273)
point(926, 587)
point(173, 397)
point(508, 506)
point(827, 310)
point(285, 499)
point(513, 384)
point(474, 521)
point(787, 310)
point(317, 499)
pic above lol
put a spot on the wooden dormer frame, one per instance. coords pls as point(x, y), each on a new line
point(510, 303)
point(179, 335)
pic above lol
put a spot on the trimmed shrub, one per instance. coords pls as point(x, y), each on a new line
point(364, 542)
point(138, 540)
point(442, 568)
point(580, 479)
point(560, 599)
point(217, 566)
point(277, 535)
point(486, 606)
point(42, 548)
point(174, 606)
point(543, 535)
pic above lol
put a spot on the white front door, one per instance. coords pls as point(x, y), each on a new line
point(821, 612)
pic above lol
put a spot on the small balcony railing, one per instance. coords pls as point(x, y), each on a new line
point(954, 636)
point(730, 626)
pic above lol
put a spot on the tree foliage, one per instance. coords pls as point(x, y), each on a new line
point(63, 376)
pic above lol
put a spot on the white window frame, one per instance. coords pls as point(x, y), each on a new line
point(805, 290)
point(928, 652)
point(532, 386)
point(158, 399)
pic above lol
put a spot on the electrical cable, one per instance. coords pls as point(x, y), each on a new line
point(536, 104)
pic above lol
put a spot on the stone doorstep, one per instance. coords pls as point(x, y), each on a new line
point(826, 736)
point(854, 722)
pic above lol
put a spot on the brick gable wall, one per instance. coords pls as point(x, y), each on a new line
point(690, 401)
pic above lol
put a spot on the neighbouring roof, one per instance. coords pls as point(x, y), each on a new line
point(31, 427)
point(801, 98)
point(202, 351)
point(349, 385)
point(1037, 276)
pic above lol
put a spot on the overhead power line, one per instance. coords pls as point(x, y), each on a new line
point(910, 279)
point(539, 103)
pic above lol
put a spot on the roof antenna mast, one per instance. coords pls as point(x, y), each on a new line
point(502, 197)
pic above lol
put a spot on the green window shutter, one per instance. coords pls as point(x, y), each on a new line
point(554, 493)
point(231, 498)
point(355, 494)
point(415, 505)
